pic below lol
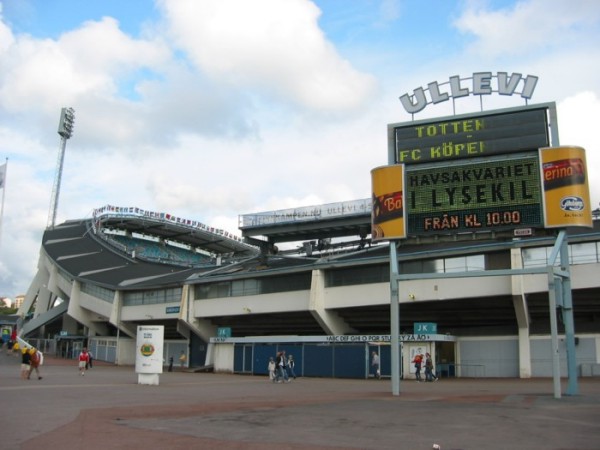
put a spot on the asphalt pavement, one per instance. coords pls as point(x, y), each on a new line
point(108, 409)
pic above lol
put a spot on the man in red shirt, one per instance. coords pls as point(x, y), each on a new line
point(84, 359)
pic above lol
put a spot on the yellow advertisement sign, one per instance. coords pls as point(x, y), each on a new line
point(388, 219)
point(565, 186)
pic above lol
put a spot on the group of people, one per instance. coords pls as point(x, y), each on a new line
point(429, 372)
point(418, 363)
point(182, 361)
point(32, 359)
point(281, 369)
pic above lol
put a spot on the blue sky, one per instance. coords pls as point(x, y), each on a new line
point(208, 109)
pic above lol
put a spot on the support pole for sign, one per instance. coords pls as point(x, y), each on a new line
point(554, 332)
point(394, 319)
point(567, 315)
point(559, 287)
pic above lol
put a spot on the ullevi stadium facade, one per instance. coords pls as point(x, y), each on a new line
point(230, 303)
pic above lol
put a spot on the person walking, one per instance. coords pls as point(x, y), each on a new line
point(170, 369)
point(281, 368)
point(25, 363)
point(84, 359)
point(418, 361)
point(429, 373)
point(91, 360)
point(36, 359)
point(375, 365)
point(271, 368)
point(290, 367)
point(182, 359)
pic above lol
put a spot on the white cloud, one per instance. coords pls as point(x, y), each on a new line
point(81, 63)
point(271, 45)
point(528, 26)
point(6, 36)
point(578, 125)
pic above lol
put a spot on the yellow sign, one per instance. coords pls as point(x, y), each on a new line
point(388, 214)
point(565, 185)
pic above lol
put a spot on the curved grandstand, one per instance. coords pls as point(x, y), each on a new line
point(99, 278)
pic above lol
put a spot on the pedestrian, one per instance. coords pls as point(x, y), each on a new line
point(290, 367)
point(429, 374)
point(91, 359)
point(84, 358)
point(182, 359)
point(375, 365)
point(36, 360)
point(13, 339)
point(271, 369)
point(417, 361)
point(170, 369)
point(25, 363)
point(281, 368)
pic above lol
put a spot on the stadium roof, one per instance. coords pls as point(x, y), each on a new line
point(205, 239)
point(77, 251)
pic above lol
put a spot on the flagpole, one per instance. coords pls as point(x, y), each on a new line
point(3, 195)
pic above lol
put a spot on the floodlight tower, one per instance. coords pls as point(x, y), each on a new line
point(65, 130)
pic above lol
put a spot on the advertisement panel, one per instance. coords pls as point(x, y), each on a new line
point(149, 349)
point(387, 215)
point(566, 190)
point(484, 194)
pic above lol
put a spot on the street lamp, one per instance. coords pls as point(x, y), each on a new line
point(65, 130)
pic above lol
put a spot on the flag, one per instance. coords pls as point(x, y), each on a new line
point(2, 175)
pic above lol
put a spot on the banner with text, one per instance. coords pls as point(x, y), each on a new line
point(387, 216)
point(566, 190)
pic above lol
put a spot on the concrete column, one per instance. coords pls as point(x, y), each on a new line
point(115, 316)
point(522, 314)
point(82, 315)
point(328, 320)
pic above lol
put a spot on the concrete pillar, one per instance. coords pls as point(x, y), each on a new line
point(522, 314)
point(328, 320)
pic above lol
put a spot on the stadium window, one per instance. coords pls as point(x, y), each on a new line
point(535, 257)
point(584, 253)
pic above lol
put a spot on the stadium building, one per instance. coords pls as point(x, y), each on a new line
point(478, 246)
point(230, 305)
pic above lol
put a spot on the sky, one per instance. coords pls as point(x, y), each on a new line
point(209, 109)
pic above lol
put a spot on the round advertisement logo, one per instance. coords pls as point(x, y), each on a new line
point(147, 349)
point(572, 203)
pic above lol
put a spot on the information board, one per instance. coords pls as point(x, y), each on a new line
point(483, 194)
point(470, 136)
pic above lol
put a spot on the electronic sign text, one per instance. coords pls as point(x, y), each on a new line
point(470, 136)
point(471, 196)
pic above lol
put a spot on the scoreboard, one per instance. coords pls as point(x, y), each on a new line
point(493, 193)
point(470, 136)
point(472, 173)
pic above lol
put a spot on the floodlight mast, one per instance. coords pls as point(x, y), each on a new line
point(65, 130)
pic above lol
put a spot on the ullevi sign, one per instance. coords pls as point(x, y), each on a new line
point(481, 85)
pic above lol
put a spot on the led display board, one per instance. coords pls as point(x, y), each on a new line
point(483, 194)
point(470, 136)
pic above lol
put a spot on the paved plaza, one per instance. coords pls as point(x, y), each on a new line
point(108, 409)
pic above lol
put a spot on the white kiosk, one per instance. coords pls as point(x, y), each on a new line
point(149, 353)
